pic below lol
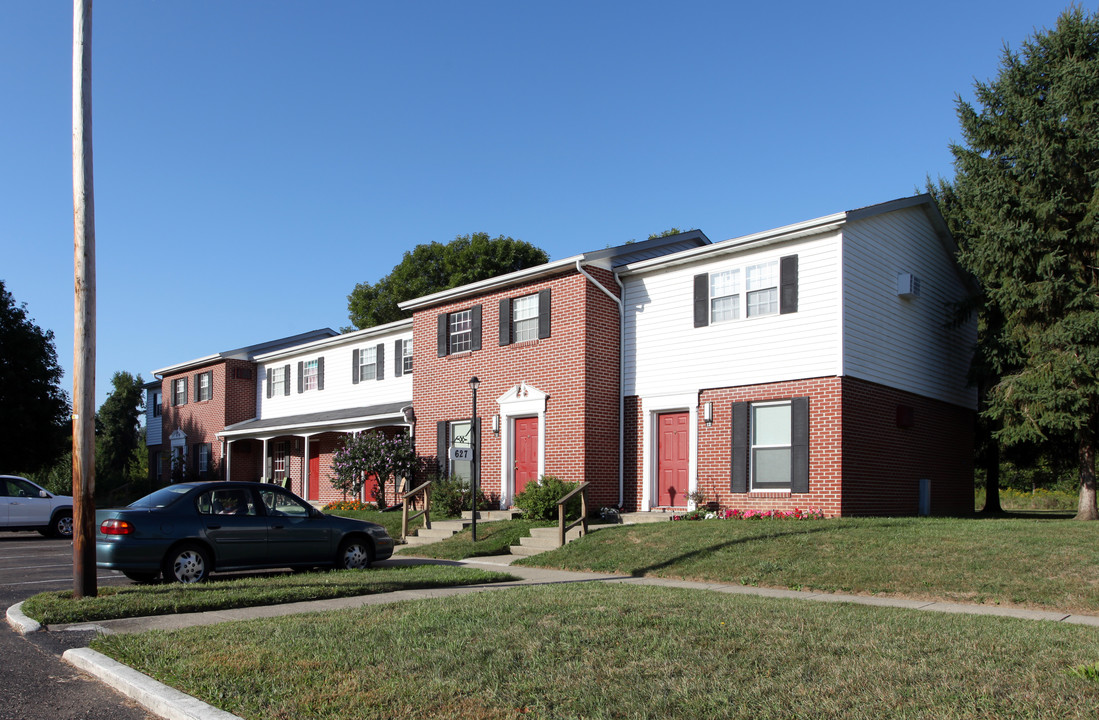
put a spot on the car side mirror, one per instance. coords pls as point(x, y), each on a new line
point(43, 494)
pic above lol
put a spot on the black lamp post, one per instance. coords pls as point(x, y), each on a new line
point(473, 465)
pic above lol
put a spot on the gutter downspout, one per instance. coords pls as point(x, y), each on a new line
point(621, 376)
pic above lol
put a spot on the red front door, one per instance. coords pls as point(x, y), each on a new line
point(674, 459)
point(314, 472)
point(526, 452)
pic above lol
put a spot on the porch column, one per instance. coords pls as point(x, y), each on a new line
point(227, 454)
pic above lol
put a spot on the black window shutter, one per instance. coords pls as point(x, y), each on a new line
point(443, 318)
point(198, 387)
point(505, 322)
point(788, 284)
point(320, 373)
point(301, 376)
point(184, 393)
point(702, 300)
point(268, 383)
point(286, 379)
point(355, 366)
point(799, 445)
point(379, 358)
point(398, 358)
point(739, 464)
point(475, 316)
point(544, 313)
point(441, 447)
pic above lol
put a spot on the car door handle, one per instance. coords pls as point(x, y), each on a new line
point(213, 527)
point(278, 527)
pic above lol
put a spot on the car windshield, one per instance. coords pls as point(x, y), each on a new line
point(161, 498)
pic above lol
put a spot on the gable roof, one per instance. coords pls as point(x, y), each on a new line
point(248, 352)
point(610, 258)
point(806, 228)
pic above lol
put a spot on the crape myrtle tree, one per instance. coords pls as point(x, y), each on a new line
point(372, 453)
point(1024, 205)
point(34, 410)
point(433, 267)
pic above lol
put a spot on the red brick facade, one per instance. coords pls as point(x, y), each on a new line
point(577, 367)
point(869, 446)
point(232, 400)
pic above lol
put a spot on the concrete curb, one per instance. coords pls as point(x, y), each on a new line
point(20, 622)
point(156, 697)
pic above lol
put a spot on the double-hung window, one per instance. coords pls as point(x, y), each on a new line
point(368, 363)
point(524, 318)
point(278, 464)
point(761, 289)
point(460, 331)
point(406, 357)
point(179, 392)
point(277, 380)
point(309, 375)
point(771, 444)
point(724, 296)
point(156, 405)
point(204, 386)
point(203, 453)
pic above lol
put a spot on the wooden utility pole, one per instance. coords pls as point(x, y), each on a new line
point(84, 582)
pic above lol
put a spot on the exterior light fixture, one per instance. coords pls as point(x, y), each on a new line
point(495, 424)
point(708, 413)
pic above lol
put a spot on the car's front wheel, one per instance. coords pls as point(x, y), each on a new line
point(187, 564)
point(355, 554)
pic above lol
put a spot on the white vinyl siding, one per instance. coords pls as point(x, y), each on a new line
point(666, 354)
point(340, 389)
point(908, 344)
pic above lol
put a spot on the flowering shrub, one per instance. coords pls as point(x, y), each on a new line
point(343, 505)
point(372, 453)
point(735, 514)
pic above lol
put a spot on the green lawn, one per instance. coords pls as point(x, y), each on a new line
point(1038, 563)
point(603, 650)
point(220, 594)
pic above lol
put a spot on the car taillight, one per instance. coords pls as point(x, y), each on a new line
point(116, 527)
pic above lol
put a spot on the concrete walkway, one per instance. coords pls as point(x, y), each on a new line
point(170, 703)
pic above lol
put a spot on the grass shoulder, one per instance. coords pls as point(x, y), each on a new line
point(228, 592)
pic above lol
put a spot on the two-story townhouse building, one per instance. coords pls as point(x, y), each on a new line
point(815, 365)
point(200, 397)
point(154, 435)
point(309, 395)
point(544, 344)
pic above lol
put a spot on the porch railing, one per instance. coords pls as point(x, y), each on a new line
point(582, 488)
point(426, 512)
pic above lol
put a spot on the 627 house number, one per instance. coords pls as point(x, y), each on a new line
point(460, 453)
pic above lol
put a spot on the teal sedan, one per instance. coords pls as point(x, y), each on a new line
point(184, 532)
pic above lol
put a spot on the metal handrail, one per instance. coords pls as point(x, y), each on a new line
point(426, 512)
point(582, 488)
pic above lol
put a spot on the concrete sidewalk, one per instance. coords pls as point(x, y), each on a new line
point(170, 703)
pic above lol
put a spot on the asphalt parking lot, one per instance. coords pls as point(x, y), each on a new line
point(37, 684)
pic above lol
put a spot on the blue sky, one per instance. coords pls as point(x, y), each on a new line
point(254, 160)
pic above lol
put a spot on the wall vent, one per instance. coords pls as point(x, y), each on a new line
point(908, 285)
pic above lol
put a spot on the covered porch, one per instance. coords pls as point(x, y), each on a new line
point(296, 451)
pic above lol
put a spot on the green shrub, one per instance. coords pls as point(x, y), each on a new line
point(538, 501)
point(450, 497)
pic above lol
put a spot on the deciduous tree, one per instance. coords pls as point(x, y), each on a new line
point(34, 410)
point(433, 267)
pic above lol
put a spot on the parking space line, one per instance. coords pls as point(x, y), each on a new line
point(68, 580)
point(38, 567)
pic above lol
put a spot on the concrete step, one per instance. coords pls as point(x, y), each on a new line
point(417, 540)
point(542, 539)
point(492, 515)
